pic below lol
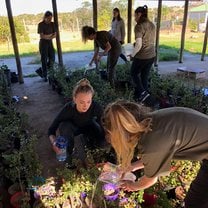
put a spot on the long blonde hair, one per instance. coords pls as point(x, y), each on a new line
point(124, 122)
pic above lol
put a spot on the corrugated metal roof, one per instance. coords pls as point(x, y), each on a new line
point(200, 8)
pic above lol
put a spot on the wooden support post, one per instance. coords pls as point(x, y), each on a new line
point(58, 42)
point(183, 33)
point(205, 42)
point(95, 16)
point(14, 41)
point(158, 32)
point(129, 21)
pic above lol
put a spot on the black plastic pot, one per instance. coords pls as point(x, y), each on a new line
point(7, 74)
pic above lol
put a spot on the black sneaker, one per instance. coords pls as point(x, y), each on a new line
point(70, 166)
point(143, 96)
point(39, 72)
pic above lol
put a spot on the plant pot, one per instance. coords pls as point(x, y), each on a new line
point(7, 74)
point(149, 199)
point(17, 199)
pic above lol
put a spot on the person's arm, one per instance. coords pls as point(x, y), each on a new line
point(143, 183)
point(105, 52)
point(123, 33)
point(63, 115)
point(47, 37)
point(137, 47)
point(94, 58)
point(136, 166)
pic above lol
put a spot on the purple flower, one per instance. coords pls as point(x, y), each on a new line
point(111, 191)
point(83, 195)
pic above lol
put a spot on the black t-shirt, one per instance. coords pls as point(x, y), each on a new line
point(102, 37)
point(46, 29)
point(70, 113)
point(177, 134)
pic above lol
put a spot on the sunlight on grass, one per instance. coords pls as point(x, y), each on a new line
point(28, 49)
point(170, 41)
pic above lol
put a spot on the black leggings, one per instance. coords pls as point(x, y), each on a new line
point(47, 53)
point(140, 70)
point(197, 196)
point(92, 136)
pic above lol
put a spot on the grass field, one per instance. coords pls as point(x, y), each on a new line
point(169, 45)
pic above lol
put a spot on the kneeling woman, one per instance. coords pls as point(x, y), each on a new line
point(80, 117)
point(173, 133)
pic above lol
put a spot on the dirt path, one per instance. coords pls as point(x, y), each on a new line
point(41, 107)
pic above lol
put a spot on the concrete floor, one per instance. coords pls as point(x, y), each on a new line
point(75, 60)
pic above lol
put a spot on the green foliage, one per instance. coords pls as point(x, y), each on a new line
point(184, 173)
point(4, 29)
point(168, 54)
point(18, 161)
point(178, 92)
point(104, 94)
point(20, 31)
point(193, 24)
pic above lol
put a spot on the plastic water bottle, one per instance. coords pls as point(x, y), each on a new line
point(61, 143)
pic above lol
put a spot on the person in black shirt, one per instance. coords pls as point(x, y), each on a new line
point(109, 44)
point(47, 31)
point(80, 117)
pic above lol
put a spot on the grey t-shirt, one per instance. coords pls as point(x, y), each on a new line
point(177, 134)
point(146, 31)
point(118, 29)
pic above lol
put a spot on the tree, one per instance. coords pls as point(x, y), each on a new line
point(105, 8)
point(4, 29)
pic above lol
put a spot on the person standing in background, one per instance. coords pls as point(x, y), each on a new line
point(47, 31)
point(143, 54)
point(118, 29)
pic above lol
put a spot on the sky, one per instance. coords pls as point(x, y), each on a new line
point(40, 6)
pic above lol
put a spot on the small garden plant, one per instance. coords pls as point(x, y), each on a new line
point(81, 187)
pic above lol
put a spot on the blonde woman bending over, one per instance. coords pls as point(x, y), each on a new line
point(173, 133)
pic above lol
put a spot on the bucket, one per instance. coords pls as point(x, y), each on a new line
point(128, 49)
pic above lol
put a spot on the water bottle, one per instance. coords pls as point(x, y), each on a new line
point(61, 143)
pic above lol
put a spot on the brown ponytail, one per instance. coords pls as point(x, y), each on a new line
point(83, 86)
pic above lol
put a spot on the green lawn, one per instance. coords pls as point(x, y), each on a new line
point(169, 46)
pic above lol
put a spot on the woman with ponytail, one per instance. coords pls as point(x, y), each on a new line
point(143, 54)
point(175, 133)
point(82, 116)
point(110, 45)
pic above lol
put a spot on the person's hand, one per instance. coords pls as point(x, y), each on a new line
point(54, 147)
point(180, 192)
point(128, 186)
point(130, 57)
point(109, 167)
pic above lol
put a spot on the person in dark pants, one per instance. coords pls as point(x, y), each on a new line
point(109, 44)
point(143, 54)
point(79, 121)
point(175, 133)
point(118, 29)
point(47, 31)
